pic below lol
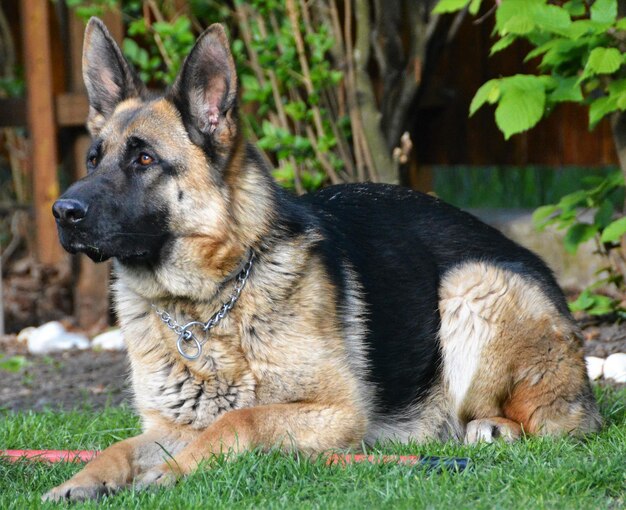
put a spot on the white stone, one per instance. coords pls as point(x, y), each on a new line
point(595, 367)
point(24, 335)
point(111, 340)
point(52, 337)
point(615, 367)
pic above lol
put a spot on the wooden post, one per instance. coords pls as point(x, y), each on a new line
point(41, 126)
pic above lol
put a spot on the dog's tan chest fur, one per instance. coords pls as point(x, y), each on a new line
point(186, 393)
point(255, 356)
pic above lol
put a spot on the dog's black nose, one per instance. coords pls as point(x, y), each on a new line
point(69, 211)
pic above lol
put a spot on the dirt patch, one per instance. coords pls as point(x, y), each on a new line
point(77, 378)
point(64, 380)
point(604, 339)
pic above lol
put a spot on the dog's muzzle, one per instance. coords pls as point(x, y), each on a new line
point(72, 224)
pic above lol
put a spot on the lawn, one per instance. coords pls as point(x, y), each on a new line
point(534, 473)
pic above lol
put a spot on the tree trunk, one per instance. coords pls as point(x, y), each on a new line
point(371, 116)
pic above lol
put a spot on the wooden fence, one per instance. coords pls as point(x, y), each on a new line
point(49, 40)
point(443, 134)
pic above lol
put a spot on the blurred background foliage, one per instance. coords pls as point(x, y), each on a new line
point(303, 98)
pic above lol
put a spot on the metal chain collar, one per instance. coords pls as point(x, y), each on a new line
point(185, 333)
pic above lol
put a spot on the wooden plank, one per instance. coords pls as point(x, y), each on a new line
point(609, 152)
point(419, 177)
point(76, 31)
point(41, 126)
point(71, 109)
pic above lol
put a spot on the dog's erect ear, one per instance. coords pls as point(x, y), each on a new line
point(205, 91)
point(108, 76)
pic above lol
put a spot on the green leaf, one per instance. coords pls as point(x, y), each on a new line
point(602, 305)
point(520, 25)
point(269, 129)
point(551, 18)
point(601, 107)
point(249, 83)
point(577, 234)
point(614, 231)
point(621, 101)
point(137, 27)
point(583, 302)
point(163, 28)
point(450, 6)
point(617, 87)
point(581, 27)
point(604, 214)
point(336, 77)
point(603, 61)
point(604, 11)
point(296, 110)
point(573, 200)
point(617, 90)
point(474, 7)
point(131, 48)
point(567, 89)
point(615, 180)
point(564, 53)
point(593, 304)
point(503, 43)
point(549, 82)
point(521, 104)
point(516, 16)
point(541, 49)
point(488, 92)
point(575, 7)
point(542, 216)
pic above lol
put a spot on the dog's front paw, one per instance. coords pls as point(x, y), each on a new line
point(160, 476)
point(80, 490)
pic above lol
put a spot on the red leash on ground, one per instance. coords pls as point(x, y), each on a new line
point(48, 455)
point(457, 464)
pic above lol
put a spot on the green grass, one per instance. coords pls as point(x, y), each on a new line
point(533, 473)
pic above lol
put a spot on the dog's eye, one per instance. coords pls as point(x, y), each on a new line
point(93, 160)
point(145, 159)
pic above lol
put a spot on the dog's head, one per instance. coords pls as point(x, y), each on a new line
point(161, 170)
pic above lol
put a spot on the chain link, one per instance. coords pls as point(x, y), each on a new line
point(185, 333)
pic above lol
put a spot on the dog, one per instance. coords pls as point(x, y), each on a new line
point(257, 319)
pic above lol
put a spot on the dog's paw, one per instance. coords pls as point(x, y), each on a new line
point(80, 490)
point(487, 430)
point(160, 476)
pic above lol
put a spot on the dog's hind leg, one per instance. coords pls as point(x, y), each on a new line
point(511, 361)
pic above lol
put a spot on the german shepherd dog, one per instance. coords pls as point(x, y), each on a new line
point(257, 319)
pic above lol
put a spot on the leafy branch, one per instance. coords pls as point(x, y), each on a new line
point(580, 47)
